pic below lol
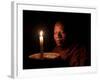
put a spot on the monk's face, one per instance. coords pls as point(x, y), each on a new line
point(59, 34)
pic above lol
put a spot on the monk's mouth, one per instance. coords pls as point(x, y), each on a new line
point(59, 41)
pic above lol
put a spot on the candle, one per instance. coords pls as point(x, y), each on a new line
point(41, 41)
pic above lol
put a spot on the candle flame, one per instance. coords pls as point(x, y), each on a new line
point(41, 41)
point(41, 33)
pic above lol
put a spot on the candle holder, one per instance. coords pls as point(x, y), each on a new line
point(41, 52)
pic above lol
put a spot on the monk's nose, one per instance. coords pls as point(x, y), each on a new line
point(59, 35)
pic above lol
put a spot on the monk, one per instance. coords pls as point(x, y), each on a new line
point(74, 55)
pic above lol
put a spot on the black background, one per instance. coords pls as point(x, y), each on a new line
point(77, 27)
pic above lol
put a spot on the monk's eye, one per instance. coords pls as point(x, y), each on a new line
point(62, 32)
point(55, 32)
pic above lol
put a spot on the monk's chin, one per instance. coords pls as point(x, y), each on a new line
point(59, 45)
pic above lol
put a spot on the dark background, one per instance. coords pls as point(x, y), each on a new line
point(77, 26)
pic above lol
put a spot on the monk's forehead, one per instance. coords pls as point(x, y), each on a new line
point(58, 26)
